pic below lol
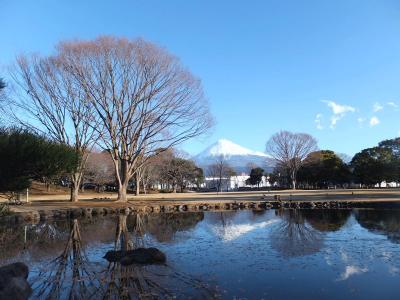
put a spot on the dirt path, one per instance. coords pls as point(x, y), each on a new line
point(60, 201)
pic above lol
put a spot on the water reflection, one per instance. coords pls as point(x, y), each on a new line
point(327, 220)
point(385, 222)
point(72, 267)
point(74, 275)
point(236, 250)
point(165, 226)
point(293, 236)
point(126, 282)
point(230, 226)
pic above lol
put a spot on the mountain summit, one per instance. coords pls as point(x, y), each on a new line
point(238, 157)
point(226, 149)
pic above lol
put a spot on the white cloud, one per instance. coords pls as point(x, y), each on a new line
point(334, 120)
point(392, 104)
point(361, 121)
point(350, 271)
point(318, 121)
point(339, 111)
point(374, 121)
point(377, 107)
point(232, 232)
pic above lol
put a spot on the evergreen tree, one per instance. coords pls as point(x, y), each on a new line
point(25, 156)
point(255, 178)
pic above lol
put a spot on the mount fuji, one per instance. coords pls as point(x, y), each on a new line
point(238, 157)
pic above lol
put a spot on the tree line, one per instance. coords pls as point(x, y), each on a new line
point(130, 98)
point(168, 171)
point(299, 163)
point(26, 156)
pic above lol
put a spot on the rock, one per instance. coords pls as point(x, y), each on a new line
point(203, 207)
point(87, 211)
point(156, 208)
point(13, 282)
point(137, 256)
point(143, 256)
point(123, 211)
point(182, 208)
point(97, 211)
point(60, 214)
point(115, 256)
point(75, 213)
point(30, 216)
point(251, 205)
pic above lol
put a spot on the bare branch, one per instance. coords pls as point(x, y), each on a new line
point(290, 150)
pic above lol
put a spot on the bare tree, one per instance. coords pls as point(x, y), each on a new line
point(147, 176)
point(220, 170)
point(48, 100)
point(99, 170)
point(2, 87)
point(250, 166)
point(290, 150)
point(150, 171)
point(144, 97)
point(3, 102)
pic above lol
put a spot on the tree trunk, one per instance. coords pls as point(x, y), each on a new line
point(75, 183)
point(293, 177)
point(122, 192)
point(74, 193)
point(137, 177)
point(123, 182)
point(144, 186)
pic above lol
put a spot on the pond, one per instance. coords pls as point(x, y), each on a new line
point(271, 254)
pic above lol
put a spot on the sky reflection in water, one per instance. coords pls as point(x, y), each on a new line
point(282, 254)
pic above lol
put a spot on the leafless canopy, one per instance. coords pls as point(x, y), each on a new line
point(220, 171)
point(99, 170)
point(2, 94)
point(290, 150)
point(144, 97)
point(47, 99)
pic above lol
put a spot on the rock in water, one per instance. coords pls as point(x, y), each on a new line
point(137, 256)
point(145, 256)
point(115, 256)
point(157, 255)
point(13, 282)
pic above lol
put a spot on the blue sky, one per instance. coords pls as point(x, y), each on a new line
point(328, 68)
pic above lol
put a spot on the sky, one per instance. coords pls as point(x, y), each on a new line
point(327, 68)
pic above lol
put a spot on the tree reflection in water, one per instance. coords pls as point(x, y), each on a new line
point(327, 220)
point(165, 226)
point(140, 281)
point(385, 222)
point(126, 282)
point(69, 275)
point(293, 237)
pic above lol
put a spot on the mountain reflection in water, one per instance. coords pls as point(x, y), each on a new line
point(246, 254)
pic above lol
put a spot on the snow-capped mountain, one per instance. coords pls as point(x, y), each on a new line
point(236, 156)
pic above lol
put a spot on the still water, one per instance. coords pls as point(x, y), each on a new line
point(274, 254)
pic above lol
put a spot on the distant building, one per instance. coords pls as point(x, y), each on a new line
point(232, 183)
point(385, 184)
